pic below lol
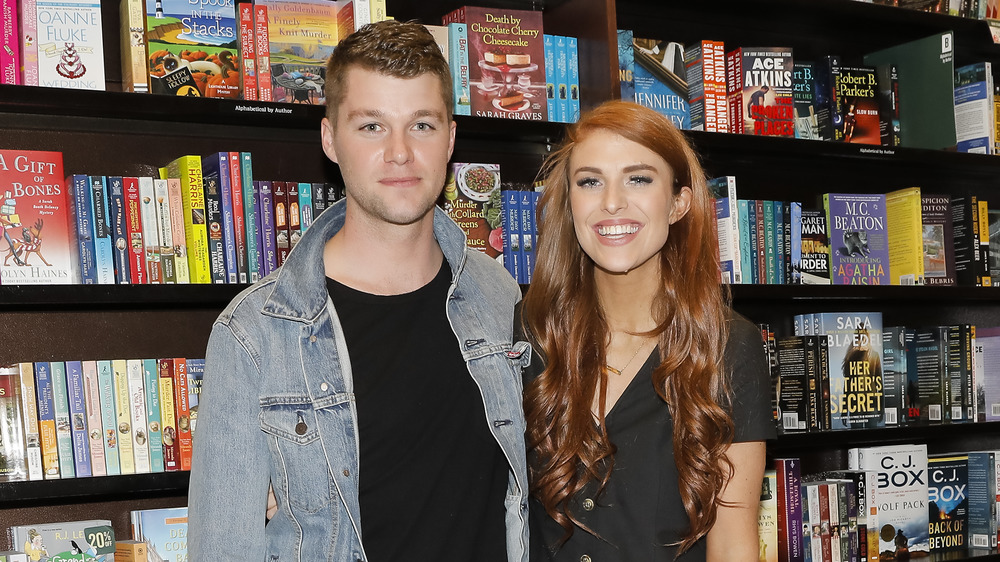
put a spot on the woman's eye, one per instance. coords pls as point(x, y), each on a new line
point(640, 180)
point(588, 182)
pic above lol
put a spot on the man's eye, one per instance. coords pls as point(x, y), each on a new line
point(422, 126)
point(370, 127)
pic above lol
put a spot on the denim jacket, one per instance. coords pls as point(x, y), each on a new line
point(277, 406)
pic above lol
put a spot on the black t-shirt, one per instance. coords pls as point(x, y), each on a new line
point(640, 510)
point(433, 479)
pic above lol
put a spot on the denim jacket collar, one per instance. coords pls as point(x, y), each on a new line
point(300, 291)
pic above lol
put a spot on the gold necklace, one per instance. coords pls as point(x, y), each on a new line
point(618, 372)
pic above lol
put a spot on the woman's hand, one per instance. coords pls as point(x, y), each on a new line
point(272, 503)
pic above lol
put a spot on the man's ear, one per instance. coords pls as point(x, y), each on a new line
point(326, 130)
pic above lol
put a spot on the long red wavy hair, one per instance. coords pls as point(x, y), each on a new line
point(565, 321)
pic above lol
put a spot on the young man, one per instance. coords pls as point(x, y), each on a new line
point(370, 381)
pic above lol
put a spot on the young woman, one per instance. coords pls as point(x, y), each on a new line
point(647, 402)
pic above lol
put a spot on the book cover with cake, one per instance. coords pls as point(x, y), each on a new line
point(193, 48)
point(70, 44)
point(472, 199)
point(38, 245)
point(506, 62)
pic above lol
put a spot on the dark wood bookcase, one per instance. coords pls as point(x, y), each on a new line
point(115, 133)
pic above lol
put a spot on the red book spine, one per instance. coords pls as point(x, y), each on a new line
point(824, 521)
point(10, 54)
point(239, 216)
point(171, 449)
point(181, 404)
point(248, 68)
point(133, 219)
point(734, 90)
point(262, 51)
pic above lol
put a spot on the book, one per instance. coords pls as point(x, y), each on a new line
point(130, 550)
point(35, 216)
point(182, 270)
point(269, 250)
point(894, 372)
point(294, 213)
point(759, 88)
point(28, 27)
point(138, 273)
point(814, 265)
point(506, 62)
point(887, 76)
point(477, 206)
point(132, 36)
point(89, 540)
point(248, 68)
point(929, 369)
point(164, 530)
point(797, 356)
point(181, 397)
point(993, 216)
point(959, 372)
point(723, 190)
point(95, 424)
point(164, 229)
point(282, 234)
point(193, 48)
point(573, 67)
point(168, 418)
point(901, 493)
point(804, 101)
point(826, 110)
point(245, 161)
point(239, 216)
point(788, 480)
point(47, 420)
point(938, 239)
point(70, 44)
point(188, 170)
point(811, 499)
point(149, 221)
point(109, 416)
point(151, 388)
point(262, 42)
point(989, 339)
point(123, 412)
point(859, 251)
point(657, 77)
point(118, 220)
point(196, 375)
point(137, 414)
point(10, 53)
point(29, 413)
point(904, 228)
point(926, 79)
point(855, 97)
point(975, 119)
point(767, 518)
point(947, 504)
point(855, 368)
point(215, 213)
point(513, 256)
point(101, 232)
point(81, 208)
point(706, 86)
point(13, 464)
point(626, 65)
point(529, 232)
point(981, 494)
point(458, 63)
point(78, 418)
point(64, 428)
point(971, 267)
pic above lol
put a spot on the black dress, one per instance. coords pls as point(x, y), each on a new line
point(640, 513)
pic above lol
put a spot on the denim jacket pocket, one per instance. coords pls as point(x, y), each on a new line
point(520, 354)
point(296, 442)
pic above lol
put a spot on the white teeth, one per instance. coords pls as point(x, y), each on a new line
point(618, 229)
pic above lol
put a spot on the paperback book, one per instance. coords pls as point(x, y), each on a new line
point(659, 81)
point(859, 249)
point(70, 44)
point(87, 541)
point(814, 265)
point(759, 87)
point(473, 200)
point(938, 239)
point(855, 367)
point(164, 530)
point(855, 95)
point(947, 504)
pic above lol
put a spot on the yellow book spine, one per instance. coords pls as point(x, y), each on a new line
point(167, 418)
point(905, 235)
point(188, 170)
point(135, 71)
point(378, 11)
point(126, 459)
point(984, 239)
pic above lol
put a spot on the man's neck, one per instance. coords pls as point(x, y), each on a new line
point(383, 259)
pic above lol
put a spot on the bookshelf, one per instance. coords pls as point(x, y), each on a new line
point(129, 134)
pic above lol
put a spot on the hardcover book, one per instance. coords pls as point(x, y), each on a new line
point(938, 239)
point(947, 504)
point(87, 541)
point(164, 530)
point(262, 42)
point(855, 366)
point(657, 78)
point(975, 119)
point(475, 204)
point(814, 265)
point(506, 62)
point(804, 101)
point(70, 44)
point(759, 87)
point(855, 96)
point(38, 243)
point(248, 68)
point(193, 48)
point(903, 209)
point(859, 250)
point(135, 70)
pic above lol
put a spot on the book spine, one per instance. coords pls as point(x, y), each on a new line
point(109, 416)
point(228, 233)
point(248, 68)
point(81, 209)
point(269, 251)
point(126, 456)
point(984, 244)
point(135, 72)
point(102, 232)
point(137, 412)
point(151, 387)
point(182, 271)
point(168, 419)
point(294, 214)
point(29, 413)
point(214, 216)
point(981, 497)
point(263, 51)
point(164, 232)
point(188, 170)
point(95, 426)
point(779, 241)
point(562, 79)
point(78, 418)
point(133, 220)
point(549, 45)
point(47, 420)
point(527, 225)
point(64, 433)
point(10, 54)
point(512, 253)
point(788, 477)
point(718, 90)
point(150, 229)
point(281, 232)
point(249, 216)
point(119, 230)
point(183, 412)
point(239, 215)
point(305, 205)
point(573, 69)
point(13, 466)
point(29, 45)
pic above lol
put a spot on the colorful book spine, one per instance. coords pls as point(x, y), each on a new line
point(188, 169)
point(196, 375)
point(305, 205)
point(182, 270)
point(573, 68)
point(269, 251)
point(239, 216)
point(103, 244)
point(133, 216)
point(64, 432)
point(901, 476)
point(249, 216)
point(150, 229)
point(135, 74)
point(788, 476)
point(562, 78)
point(119, 229)
point(947, 502)
point(214, 217)
point(137, 413)
point(78, 418)
point(82, 211)
point(549, 43)
point(281, 232)
point(95, 425)
point(10, 54)
point(109, 416)
point(263, 51)
point(218, 165)
point(294, 214)
point(123, 416)
point(181, 404)
point(29, 46)
point(859, 249)
point(29, 416)
point(47, 420)
point(458, 61)
point(168, 418)
point(248, 68)
point(168, 261)
point(527, 235)
point(512, 253)
point(982, 493)
point(767, 518)
point(903, 211)
point(151, 385)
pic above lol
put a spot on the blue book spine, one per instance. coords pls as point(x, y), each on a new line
point(743, 218)
point(214, 217)
point(527, 204)
point(562, 80)
point(259, 218)
point(795, 250)
point(218, 163)
point(109, 416)
point(458, 61)
point(250, 216)
point(982, 492)
point(626, 64)
point(195, 373)
point(573, 68)
point(267, 236)
point(46, 419)
point(779, 241)
point(64, 433)
point(549, 44)
point(83, 212)
point(119, 229)
point(752, 234)
point(512, 253)
point(78, 418)
point(151, 385)
point(305, 204)
point(102, 232)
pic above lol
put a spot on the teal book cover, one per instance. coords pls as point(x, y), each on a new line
point(164, 531)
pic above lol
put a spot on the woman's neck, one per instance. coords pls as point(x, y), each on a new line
point(627, 299)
